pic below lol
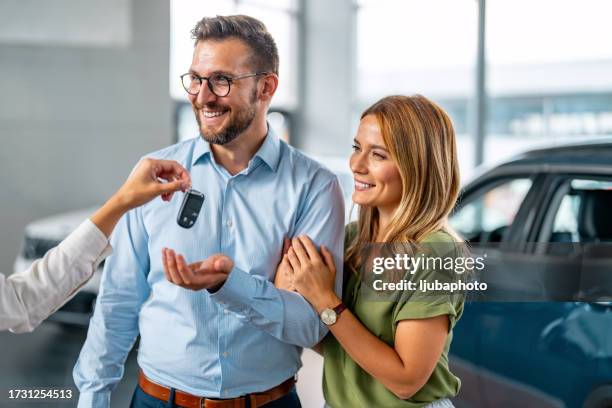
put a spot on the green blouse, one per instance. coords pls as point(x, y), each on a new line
point(346, 384)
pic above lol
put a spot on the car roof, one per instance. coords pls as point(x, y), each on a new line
point(591, 153)
point(591, 156)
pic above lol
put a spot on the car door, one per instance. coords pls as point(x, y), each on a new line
point(490, 212)
point(510, 320)
point(548, 350)
point(575, 347)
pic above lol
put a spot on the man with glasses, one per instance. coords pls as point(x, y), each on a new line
point(228, 338)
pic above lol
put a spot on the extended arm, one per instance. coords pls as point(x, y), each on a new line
point(27, 298)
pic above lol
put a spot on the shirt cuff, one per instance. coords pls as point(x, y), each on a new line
point(94, 400)
point(237, 292)
point(87, 243)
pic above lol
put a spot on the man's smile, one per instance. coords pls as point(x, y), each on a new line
point(213, 116)
point(214, 113)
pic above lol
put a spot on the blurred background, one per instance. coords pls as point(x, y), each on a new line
point(90, 86)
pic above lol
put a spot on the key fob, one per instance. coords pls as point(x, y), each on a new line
point(190, 208)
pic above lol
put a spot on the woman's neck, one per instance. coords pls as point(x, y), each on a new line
point(384, 219)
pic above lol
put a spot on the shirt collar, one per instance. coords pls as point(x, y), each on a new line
point(269, 151)
point(201, 149)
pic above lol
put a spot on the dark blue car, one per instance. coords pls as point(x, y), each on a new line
point(534, 210)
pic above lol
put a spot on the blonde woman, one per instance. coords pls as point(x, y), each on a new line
point(387, 354)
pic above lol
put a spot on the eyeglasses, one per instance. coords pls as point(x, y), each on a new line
point(218, 84)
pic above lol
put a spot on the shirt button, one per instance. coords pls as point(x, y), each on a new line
point(225, 354)
point(229, 222)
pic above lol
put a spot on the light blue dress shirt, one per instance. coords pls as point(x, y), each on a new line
point(246, 337)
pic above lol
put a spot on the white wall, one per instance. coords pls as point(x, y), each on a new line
point(75, 115)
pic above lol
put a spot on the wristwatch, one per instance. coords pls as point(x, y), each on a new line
point(330, 316)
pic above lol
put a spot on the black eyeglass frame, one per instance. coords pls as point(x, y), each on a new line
point(209, 84)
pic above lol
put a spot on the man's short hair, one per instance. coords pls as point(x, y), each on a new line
point(248, 29)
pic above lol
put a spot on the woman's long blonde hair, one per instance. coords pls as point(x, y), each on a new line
point(421, 140)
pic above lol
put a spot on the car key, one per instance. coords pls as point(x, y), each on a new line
point(190, 208)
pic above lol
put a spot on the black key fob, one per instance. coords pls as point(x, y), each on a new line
point(190, 208)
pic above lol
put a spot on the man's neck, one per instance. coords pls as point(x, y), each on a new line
point(235, 155)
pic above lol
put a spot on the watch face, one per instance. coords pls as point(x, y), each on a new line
point(328, 316)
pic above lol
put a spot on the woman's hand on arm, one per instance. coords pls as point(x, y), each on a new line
point(151, 178)
point(313, 275)
point(313, 271)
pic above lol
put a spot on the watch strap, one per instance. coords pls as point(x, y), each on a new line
point(339, 309)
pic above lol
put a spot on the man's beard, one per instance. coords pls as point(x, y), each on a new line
point(237, 124)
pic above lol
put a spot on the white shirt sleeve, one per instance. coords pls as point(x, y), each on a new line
point(29, 297)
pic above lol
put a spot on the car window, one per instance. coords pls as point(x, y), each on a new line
point(584, 213)
point(487, 217)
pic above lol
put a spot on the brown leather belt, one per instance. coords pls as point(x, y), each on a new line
point(185, 400)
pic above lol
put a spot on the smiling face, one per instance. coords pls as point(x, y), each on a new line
point(223, 119)
point(377, 177)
